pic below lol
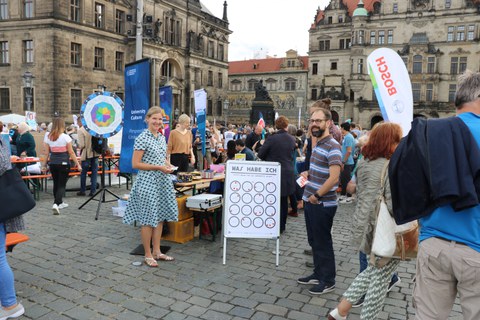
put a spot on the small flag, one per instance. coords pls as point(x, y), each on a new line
point(261, 122)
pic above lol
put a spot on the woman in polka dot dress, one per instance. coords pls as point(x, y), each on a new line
point(152, 199)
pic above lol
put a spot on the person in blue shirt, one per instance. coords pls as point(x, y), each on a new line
point(448, 262)
point(348, 145)
point(240, 147)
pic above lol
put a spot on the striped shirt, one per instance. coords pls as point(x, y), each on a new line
point(328, 152)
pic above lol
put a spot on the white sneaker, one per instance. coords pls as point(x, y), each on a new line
point(62, 205)
point(346, 200)
point(56, 209)
point(341, 198)
point(12, 313)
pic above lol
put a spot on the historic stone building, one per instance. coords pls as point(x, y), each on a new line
point(73, 46)
point(285, 79)
point(437, 40)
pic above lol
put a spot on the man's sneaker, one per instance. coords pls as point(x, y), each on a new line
point(81, 193)
point(12, 313)
point(55, 209)
point(346, 200)
point(359, 303)
point(393, 283)
point(308, 280)
point(62, 205)
point(341, 198)
point(321, 288)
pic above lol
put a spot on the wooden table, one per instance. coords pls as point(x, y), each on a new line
point(194, 183)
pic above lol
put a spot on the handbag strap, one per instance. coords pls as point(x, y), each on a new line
point(382, 178)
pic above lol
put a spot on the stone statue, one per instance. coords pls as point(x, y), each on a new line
point(156, 33)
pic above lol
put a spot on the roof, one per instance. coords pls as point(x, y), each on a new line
point(260, 65)
point(351, 5)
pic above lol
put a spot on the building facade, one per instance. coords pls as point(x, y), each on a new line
point(285, 79)
point(437, 40)
point(73, 46)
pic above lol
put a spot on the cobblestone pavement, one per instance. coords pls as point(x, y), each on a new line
point(74, 267)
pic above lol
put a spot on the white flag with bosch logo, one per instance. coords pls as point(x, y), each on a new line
point(392, 86)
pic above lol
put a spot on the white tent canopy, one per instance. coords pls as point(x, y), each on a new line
point(12, 118)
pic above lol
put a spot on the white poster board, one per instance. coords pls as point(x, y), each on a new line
point(251, 200)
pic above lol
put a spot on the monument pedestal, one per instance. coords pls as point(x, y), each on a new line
point(266, 110)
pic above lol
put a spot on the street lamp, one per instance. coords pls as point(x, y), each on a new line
point(226, 103)
point(28, 84)
point(101, 87)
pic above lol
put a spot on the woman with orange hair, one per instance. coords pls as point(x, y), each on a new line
point(373, 282)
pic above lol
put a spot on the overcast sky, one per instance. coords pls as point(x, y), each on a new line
point(262, 27)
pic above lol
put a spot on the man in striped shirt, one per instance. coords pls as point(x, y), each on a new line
point(321, 202)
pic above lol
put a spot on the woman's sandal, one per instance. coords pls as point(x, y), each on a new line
point(151, 262)
point(164, 257)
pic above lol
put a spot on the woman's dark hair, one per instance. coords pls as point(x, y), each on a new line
point(231, 150)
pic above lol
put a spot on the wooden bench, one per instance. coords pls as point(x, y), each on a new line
point(13, 239)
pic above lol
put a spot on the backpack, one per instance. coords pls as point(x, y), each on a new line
point(99, 145)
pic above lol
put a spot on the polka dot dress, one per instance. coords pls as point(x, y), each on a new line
point(152, 199)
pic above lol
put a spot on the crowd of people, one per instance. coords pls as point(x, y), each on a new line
point(359, 165)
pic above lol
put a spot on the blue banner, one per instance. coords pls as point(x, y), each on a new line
point(137, 103)
point(166, 100)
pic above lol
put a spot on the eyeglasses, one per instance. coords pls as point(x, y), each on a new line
point(316, 121)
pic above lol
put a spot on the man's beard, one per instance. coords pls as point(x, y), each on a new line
point(318, 133)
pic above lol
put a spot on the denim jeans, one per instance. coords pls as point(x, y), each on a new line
point(8, 297)
point(319, 221)
point(60, 176)
point(92, 165)
point(364, 264)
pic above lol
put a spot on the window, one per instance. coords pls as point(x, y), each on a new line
point(221, 52)
point(210, 49)
point(28, 51)
point(344, 43)
point(210, 78)
point(360, 66)
point(347, 43)
point(236, 85)
point(119, 21)
point(333, 66)
point(431, 65)
point(168, 68)
point(251, 85)
point(219, 108)
point(28, 99)
point(209, 107)
point(314, 94)
point(417, 64)
point(454, 65)
point(450, 30)
point(381, 37)
point(448, 4)
point(390, 36)
point(28, 8)
point(462, 65)
point(395, 7)
point(290, 85)
point(340, 19)
point(75, 10)
point(291, 63)
point(4, 99)
point(330, 20)
point(75, 54)
point(3, 9)
point(461, 33)
point(416, 89)
point(324, 45)
point(119, 61)
point(314, 68)
point(99, 59)
point(271, 85)
point(471, 32)
point(405, 61)
point(172, 31)
point(4, 58)
point(75, 100)
point(99, 15)
point(452, 88)
point(361, 35)
point(220, 80)
point(372, 37)
point(429, 92)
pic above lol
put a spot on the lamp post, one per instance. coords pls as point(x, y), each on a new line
point(226, 103)
point(28, 84)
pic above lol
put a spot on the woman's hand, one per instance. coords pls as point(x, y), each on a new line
point(79, 167)
point(166, 169)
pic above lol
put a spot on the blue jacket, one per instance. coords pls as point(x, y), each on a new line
point(437, 163)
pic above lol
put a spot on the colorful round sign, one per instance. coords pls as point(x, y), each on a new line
point(102, 114)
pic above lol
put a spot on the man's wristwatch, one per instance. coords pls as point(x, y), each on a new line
point(316, 195)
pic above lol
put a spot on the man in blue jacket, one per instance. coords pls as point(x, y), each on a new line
point(448, 260)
